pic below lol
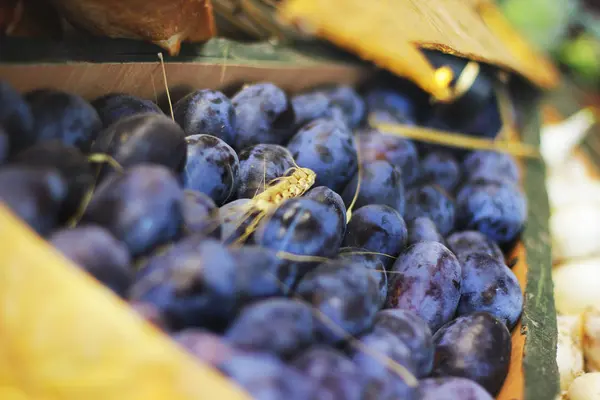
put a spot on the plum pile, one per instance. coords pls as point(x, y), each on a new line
point(381, 276)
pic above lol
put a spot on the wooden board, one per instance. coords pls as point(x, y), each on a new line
point(65, 337)
point(532, 365)
point(514, 386)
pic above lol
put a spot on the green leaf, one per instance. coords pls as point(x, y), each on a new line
point(543, 22)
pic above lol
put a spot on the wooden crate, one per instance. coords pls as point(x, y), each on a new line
point(130, 359)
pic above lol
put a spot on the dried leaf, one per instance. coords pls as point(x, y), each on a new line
point(390, 33)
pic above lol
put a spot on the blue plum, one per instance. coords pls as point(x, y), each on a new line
point(423, 229)
point(440, 168)
point(326, 196)
point(265, 377)
point(377, 228)
point(398, 151)
point(63, 116)
point(381, 183)
point(491, 166)
point(142, 207)
point(345, 296)
point(116, 106)
point(335, 376)
point(465, 243)
point(207, 347)
point(413, 332)
point(326, 147)
point(490, 286)
point(451, 388)
point(200, 215)
point(302, 227)
point(16, 118)
point(426, 280)
point(379, 366)
point(192, 283)
point(282, 327)
point(432, 202)
point(498, 210)
point(394, 105)
point(206, 112)
point(148, 138)
point(374, 262)
point(97, 252)
point(486, 123)
point(310, 106)
point(475, 346)
point(72, 165)
point(259, 166)
point(212, 168)
point(348, 101)
point(264, 114)
point(33, 194)
point(261, 274)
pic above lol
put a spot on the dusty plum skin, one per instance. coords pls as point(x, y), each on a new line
point(423, 229)
point(141, 207)
point(200, 215)
point(116, 106)
point(324, 195)
point(212, 168)
point(377, 228)
point(33, 194)
point(440, 168)
point(400, 152)
point(281, 326)
point(451, 389)
point(206, 112)
point(345, 293)
point(496, 209)
point(147, 138)
point(489, 285)
point(301, 226)
point(412, 331)
point(381, 382)
point(475, 346)
point(335, 375)
point(96, 251)
point(433, 202)
point(376, 263)
point(259, 166)
point(326, 147)
point(381, 183)
point(426, 280)
point(266, 377)
point(465, 243)
point(263, 114)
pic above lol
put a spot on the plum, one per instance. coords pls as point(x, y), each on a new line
point(148, 138)
point(34, 194)
point(116, 106)
point(426, 280)
point(206, 112)
point(212, 168)
point(64, 116)
point(475, 346)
